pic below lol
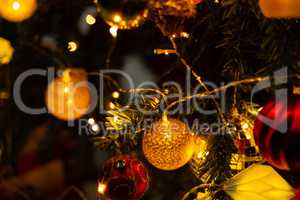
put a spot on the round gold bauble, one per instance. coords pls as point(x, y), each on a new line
point(6, 51)
point(124, 14)
point(68, 97)
point(169, 144)
point(17, 10)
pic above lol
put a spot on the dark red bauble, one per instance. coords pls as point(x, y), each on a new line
point(277, 133)
point(297, 195)
point(126, 178)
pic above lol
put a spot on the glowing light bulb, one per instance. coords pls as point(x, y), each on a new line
point(89, 19)
point(95, 128)
point(115, 118)
point(114, 31)
point(101, 188)
point(16, 5)
point(165, 117)
point(91, 121)
point(66, 89)
point(117, 18)
point(112, 105)
point(245, 125)
point(72, 46)
point(115, 95)
point(184, 34)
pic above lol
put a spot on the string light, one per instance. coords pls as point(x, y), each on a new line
point(16, 5)
point(117, 18)
point(95, 127)
point(112, 105)
point(114, 31)
point(91, 20)
point(101, 188)
point(6, 51)
point(164, 51)
point(296, 90)
point(66, 89)
point(91, 121)
point(72, 46)
point(115, 118)
point(115, 95)
point(17, 10)
point(184, 34)
point(181, 35)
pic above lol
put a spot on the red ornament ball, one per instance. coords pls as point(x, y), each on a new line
point(297, 195)
point(125, 178)
point(277, 133)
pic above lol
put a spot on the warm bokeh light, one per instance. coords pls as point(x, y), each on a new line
point(91, 121)
point(101, 188)
point(68, 97)
point(6, 51)
point(114, 31)
point(280, 8)
point(115, 95)
point(17, 10)
point(117, 18)
point(112, 105)
point(72, 46)
point(91, 20)
point(95, 128)
point(16, 5)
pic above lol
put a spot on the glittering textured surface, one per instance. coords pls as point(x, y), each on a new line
point(169, 145)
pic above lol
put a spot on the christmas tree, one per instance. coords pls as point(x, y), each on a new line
point(150, 99)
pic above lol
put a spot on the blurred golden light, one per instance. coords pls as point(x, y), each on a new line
point(16, 5)
point(115, 118)
point(72, 46)
point(71, 103)
point(112, 105)
point(101, 188)
point(6, 51)
point(90, 19)
point(91, 121)
point(17, 10)
point(95, 128)
point(117, 18)
point(280, 8)
point(114, 31)
point(184, 34)
point(115, 95)
point(66, 89)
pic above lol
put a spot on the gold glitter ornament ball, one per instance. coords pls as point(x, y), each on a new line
point(169, 144)
point(124, 14)
point(17, 10)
